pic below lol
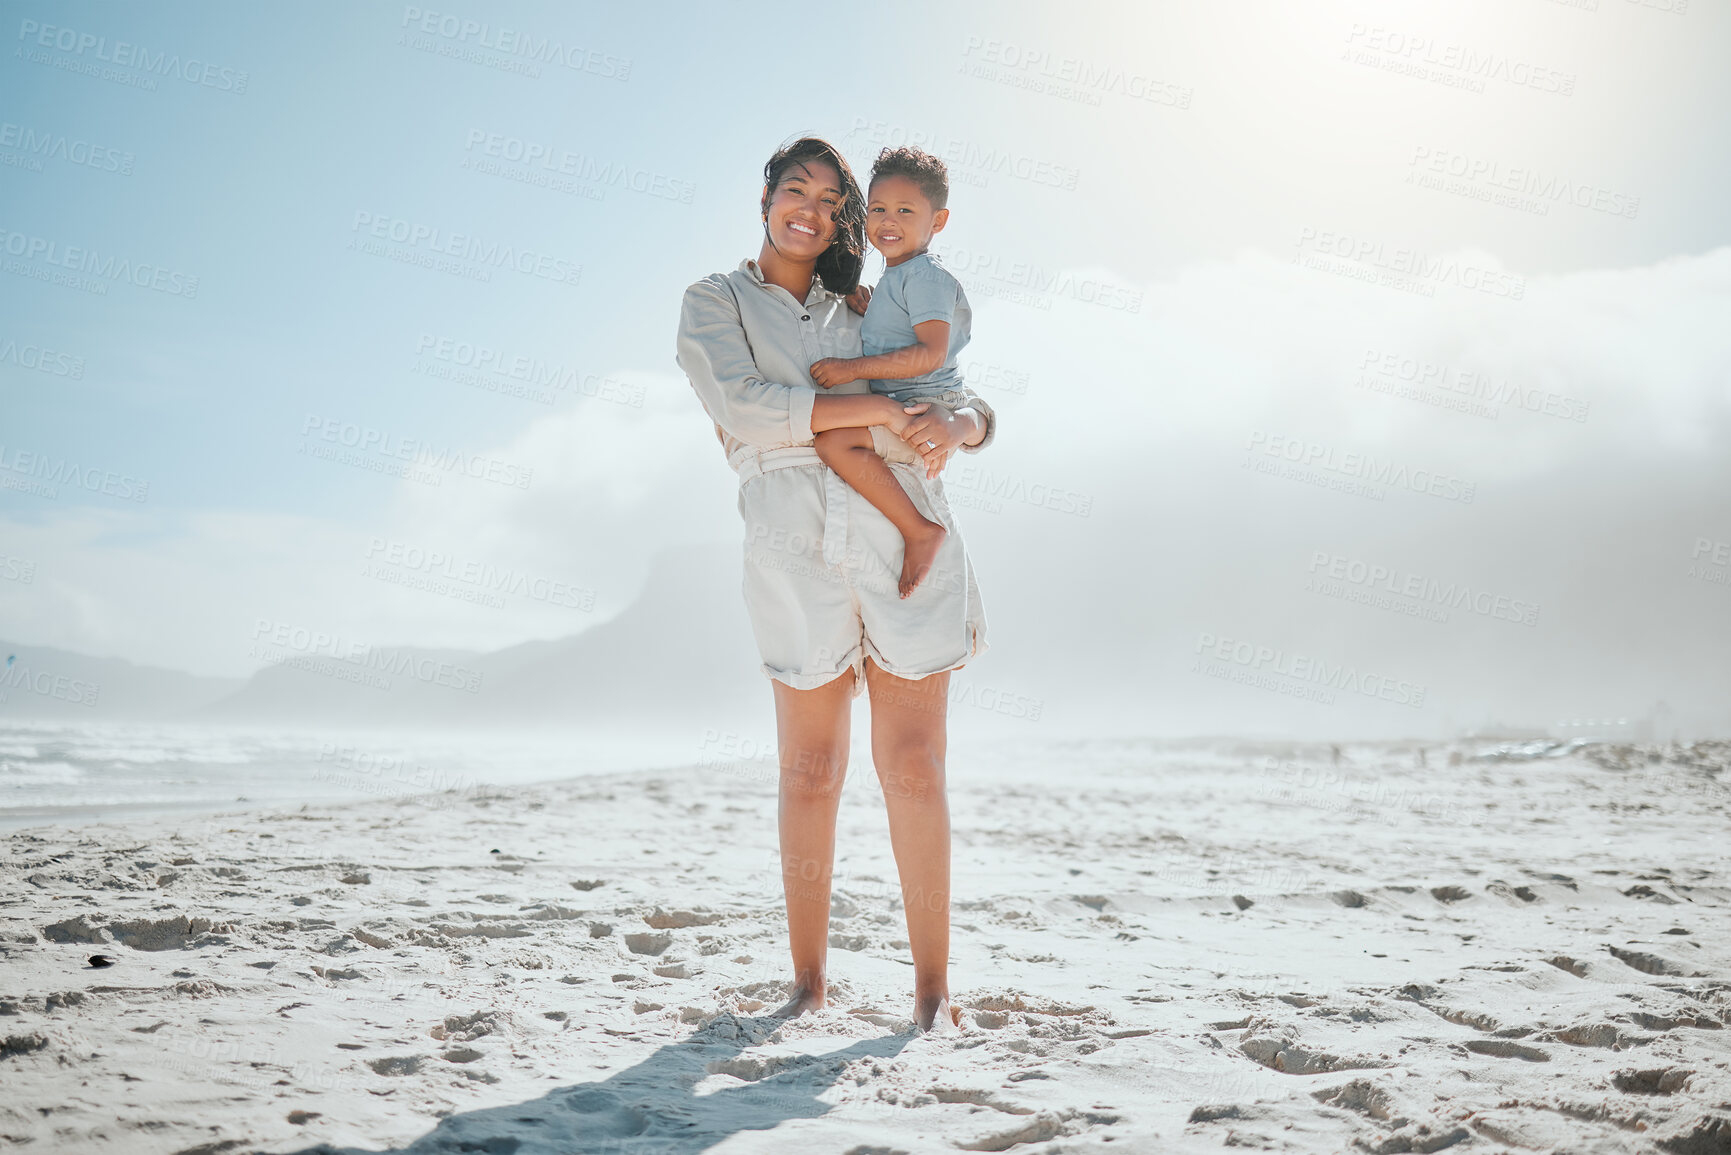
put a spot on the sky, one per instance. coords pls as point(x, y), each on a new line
point(1230, 265)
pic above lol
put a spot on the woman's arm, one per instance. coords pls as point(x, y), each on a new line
point(717, 358)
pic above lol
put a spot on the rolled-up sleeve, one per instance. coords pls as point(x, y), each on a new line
point(717, 359)
point(960, 396)
point(991, 417)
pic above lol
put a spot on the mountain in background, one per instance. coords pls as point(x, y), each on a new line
point(681, 655)
point(683, 649)
point(44, 682)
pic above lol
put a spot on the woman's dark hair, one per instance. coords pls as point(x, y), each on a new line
point(924, 169)
point(840, 264)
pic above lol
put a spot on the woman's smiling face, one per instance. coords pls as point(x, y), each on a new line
point(802, 209)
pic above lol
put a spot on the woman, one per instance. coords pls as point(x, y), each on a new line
point(821, 564)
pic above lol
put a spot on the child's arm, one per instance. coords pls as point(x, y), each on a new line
point(930, 350)
point(855, 410)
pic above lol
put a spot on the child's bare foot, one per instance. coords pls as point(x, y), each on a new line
point(805, 998)
point(934, 1013)
point(919, 551)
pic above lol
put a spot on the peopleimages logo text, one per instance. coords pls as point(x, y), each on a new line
point(1035, 279)
point(45, 145)
point(46, 683)
point(1302, 668)
point(280, 643)
point(466, 247)
point(578, 165)
point(88, 261)
point(1403, 262)
point(365, 439)
point(40, 359)
point(1546, 187)
point(1364, 466)
point(1376, 578)
point(125, 55)
point(445, 567)
point(516, 42)
point(45, 470)
point(529, 369)
point(1470, 384)
point(1423, 54)
point(1085, 75)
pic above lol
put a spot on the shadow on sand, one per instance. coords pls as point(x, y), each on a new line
point(649, 1109)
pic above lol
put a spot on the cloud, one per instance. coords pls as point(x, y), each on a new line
point(1153, 422)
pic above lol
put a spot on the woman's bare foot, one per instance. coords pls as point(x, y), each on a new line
point(805, 998)
point(919, 551)
point(934, 1013)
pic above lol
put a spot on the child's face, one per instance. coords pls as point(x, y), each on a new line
point(900, 221)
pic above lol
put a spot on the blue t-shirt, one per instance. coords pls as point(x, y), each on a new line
point(919, 289)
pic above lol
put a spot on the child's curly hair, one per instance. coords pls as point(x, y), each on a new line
point(919, 166)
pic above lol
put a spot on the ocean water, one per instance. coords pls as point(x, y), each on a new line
point(67, 773)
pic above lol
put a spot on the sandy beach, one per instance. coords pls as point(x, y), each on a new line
point(1159, 947)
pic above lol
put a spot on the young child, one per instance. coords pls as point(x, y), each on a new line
point(915, 325)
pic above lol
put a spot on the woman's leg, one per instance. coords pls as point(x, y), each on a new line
point(812, 732)
point(908, 745)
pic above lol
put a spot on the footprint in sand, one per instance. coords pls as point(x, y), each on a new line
point(678, 919)
point(1359, 1095)
point(1514, 895)
point(1503, 1049)
point(1649, 1022)
point(751, 1069)
point(396, 1065)
point(1661, 1081)
point(1589, 1035)
point(1285, 1054)
point(603, 1114)
point(146, 934)
point(1651, 964)
point(978, 1098)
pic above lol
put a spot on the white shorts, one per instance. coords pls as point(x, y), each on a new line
point(821, 575)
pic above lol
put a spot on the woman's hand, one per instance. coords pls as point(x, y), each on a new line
point(832, 371)
point(935, 433)
point(859, 299)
